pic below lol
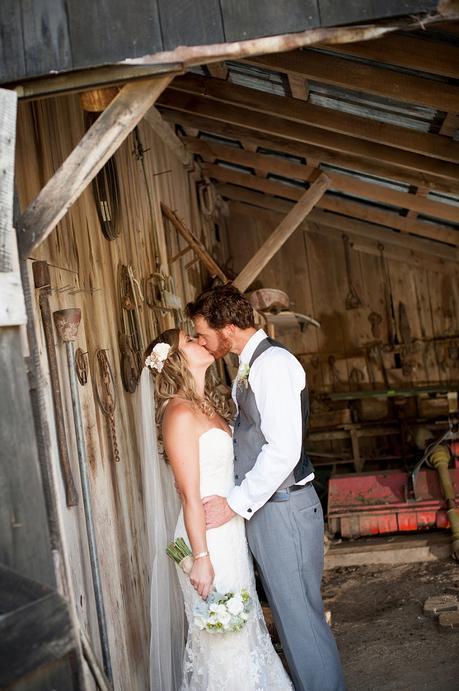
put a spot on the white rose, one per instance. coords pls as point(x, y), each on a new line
point(235, 606)
point(224, 618)
point(162, 350)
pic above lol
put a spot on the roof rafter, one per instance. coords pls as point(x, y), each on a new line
point(427, 144)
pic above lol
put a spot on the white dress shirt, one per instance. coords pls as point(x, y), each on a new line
point(276, 379)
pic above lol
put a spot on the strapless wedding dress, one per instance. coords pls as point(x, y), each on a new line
point(244, 660)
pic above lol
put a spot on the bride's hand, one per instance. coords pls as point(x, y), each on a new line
point(202, 576)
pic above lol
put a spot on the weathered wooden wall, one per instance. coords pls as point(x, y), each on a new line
point(311, 269)
point(82, 259)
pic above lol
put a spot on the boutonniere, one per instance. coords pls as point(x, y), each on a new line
point(243, 375)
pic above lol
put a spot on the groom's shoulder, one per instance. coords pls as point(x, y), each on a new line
point(280, 354)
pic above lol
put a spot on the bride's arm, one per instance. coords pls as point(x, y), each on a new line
point(181, 443)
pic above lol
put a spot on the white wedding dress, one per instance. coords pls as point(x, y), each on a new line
point(244, 660)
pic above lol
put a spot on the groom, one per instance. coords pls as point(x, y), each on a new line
point(273, 483)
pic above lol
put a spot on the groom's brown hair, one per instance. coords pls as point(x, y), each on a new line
point(221, 306)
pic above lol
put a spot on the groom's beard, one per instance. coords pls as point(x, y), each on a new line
point(223, 346)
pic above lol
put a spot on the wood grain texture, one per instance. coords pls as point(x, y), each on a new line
point(334, 13)
point(189, 23)
point(85, 161)
point(257, 18)
point(288, 225)
point(105, 31)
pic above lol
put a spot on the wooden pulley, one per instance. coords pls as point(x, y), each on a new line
point(96, 100)
point(128, 364)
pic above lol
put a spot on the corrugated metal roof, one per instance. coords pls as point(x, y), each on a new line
point(372, 107)
point(258, 78)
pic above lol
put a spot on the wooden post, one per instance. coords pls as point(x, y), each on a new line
point(88, 157)
point(281, 234)
point(25, 545)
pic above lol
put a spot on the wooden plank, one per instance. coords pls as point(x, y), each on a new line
point(8, 109)
point(300, 149)
point(211, 151)
point(12, 54)
point(85, 161)
point(167, 135)
point(345, 225)
point(280, 127)
point(107, 31)
point(283, 231)
point(190, 23)
point(413, 52)
point(194, 243)
point(362, 77)
point(332, 203)
point(36, 635)
point(257, 18)
point(45, 23)
point(12, 308)
point(316, 116)
point(333, 13)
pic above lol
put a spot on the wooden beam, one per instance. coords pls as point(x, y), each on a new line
point(354, 126)
point(273, 125)
point(281, 234)
point(359, 76)
point(167, 135)
point(95, 148)
point(434, 57)
point(299, 87)
point(450, 125)
point(418, 203)
point(363, 212)
point(345, 225)
point(301, 150)
point(218, 70)
point(194, 243)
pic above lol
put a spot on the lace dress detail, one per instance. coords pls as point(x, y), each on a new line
point(245, 660)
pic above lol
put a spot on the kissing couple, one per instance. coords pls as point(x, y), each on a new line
point(246, 493)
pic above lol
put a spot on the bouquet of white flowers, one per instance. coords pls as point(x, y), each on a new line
point(221, 612)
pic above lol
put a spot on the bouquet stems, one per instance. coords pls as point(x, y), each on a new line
point(179, 552)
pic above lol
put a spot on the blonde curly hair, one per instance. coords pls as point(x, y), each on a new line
point(176, 381)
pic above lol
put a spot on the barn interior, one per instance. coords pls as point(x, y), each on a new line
point(319, 174)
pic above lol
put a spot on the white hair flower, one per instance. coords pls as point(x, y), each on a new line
point(158, 356)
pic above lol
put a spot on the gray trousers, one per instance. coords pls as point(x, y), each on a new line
point(286, 540)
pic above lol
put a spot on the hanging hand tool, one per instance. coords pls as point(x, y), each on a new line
point(390, 311)
point(352, 299)
point(67, 322)
point(106, 395)
point(43, 283)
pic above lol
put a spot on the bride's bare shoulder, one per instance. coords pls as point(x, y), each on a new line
point(179, 413)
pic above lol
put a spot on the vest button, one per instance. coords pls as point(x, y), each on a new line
point(249, 510)
point(237, 477)
point(234, 441)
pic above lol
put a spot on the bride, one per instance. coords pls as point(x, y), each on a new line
point(198, 445)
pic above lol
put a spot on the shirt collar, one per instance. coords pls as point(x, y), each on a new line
point(251, 345)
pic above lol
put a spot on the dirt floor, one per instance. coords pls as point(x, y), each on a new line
point(385, 641)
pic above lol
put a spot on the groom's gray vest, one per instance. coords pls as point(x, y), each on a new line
point(248, 437)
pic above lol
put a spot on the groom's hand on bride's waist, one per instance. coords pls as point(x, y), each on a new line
point(217, 511)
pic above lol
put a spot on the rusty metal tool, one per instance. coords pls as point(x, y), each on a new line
point(43, 283)
point(67, 322)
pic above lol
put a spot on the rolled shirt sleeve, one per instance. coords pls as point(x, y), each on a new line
point(276, 379)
